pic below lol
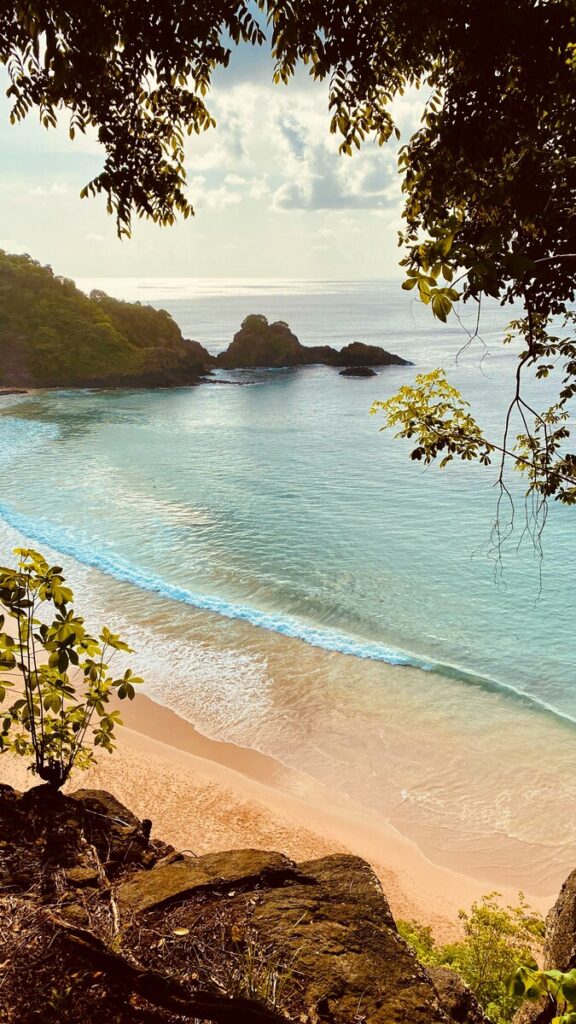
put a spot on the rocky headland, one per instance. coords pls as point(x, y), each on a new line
point(53, 335)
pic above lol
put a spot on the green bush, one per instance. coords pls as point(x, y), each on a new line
point(496, 941)
point(57, 671)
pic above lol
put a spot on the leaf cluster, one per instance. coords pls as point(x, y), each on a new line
point(558, 987)
point(56, 671)
point(434, 412)
point(137, 76)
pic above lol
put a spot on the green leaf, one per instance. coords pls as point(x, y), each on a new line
point(441, 306)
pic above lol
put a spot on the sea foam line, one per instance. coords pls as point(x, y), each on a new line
point(44, 532)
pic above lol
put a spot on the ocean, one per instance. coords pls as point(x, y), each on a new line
point(293, 582)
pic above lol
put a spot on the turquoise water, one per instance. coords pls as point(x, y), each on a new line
point(279, 508)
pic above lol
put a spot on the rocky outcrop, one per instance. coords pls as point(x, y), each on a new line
point(187, 876)
point(560, 943)
point(115, 925)
point(559, 950)
point(456, 999)
point(358, 354)
point(259, 343)
point(353, 964)
point(358, 371)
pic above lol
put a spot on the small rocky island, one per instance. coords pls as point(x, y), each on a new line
point(261, 344)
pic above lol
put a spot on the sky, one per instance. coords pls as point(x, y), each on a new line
point(273, 198)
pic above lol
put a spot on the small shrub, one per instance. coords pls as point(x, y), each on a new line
point(58, 673)
point(496, 940)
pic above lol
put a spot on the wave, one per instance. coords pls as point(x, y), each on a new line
point(44, 532)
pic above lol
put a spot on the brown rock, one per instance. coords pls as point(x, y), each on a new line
point(559, 950)
point(358, 371)
point(99, 802)
point(82, 877)
point(339, 930)
point(456, 999)
point(172, 882)
point(259, 343)
point(74, 914)
point(560, 944)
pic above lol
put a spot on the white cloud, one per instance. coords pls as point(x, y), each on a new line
point(212, 198)
point(55, 189)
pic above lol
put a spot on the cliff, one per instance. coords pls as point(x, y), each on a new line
point(52, 335)
point(101, 922)
point(259, 343)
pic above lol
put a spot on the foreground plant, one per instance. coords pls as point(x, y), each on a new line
point(58, 672)
point(496, 939)
point(557, 986)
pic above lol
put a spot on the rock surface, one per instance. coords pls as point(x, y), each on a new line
point(353, 963)
point(456, 999)
point(560, 944)
point(173, 882)
point(559, 950)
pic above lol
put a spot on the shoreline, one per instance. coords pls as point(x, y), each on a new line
point(206, 795)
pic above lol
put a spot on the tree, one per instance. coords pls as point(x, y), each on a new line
point(489, 178)
point(49, 721)
point(495, 941)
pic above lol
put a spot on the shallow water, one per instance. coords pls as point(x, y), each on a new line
point(283, 554)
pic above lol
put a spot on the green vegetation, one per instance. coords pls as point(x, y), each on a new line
point(51, 333)
point(496, 940)
point(555, 986)
point(51, 717)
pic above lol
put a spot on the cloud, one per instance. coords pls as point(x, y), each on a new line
point(316, 176)
point(55, 189)
point(205, 196)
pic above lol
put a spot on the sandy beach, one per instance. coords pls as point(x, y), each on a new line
point(204, 795)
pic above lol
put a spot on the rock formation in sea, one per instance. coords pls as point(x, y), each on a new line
point(99, 921)
point(259, 343)
point(358, 371)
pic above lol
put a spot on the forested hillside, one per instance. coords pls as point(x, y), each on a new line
point(52, 334)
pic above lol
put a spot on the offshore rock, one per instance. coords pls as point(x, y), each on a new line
point(359, 354)
point(358, 371)
point(259, 343)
